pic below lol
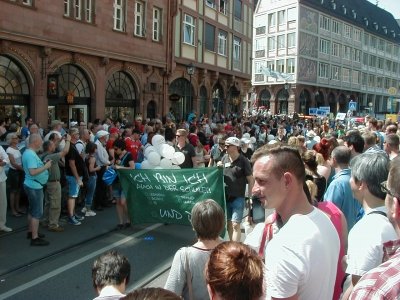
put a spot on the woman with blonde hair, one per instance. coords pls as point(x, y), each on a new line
point(234, 272)
point(186, 277)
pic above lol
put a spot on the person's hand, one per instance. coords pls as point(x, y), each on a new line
point(48, 164)
point(219, 164)
point(79, 182)
point(67, 137)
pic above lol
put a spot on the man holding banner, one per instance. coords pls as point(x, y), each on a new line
point(237, 173)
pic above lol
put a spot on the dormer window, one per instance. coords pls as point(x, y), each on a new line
point(354, 14)
point(384, 29)
point(393, 33)
point(322, 1)
point(366, 21)
point(344, 9)
point(333, 4)
point(376, 25)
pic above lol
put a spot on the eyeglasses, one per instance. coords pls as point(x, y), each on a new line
point(385, 189)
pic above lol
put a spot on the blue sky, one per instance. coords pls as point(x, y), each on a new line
point(393, 6)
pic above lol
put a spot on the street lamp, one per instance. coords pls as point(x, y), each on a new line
point(190, 68)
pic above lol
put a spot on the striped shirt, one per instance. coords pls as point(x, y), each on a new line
point(382, 282)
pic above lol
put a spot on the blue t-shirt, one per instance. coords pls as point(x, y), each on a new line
point(30, 160)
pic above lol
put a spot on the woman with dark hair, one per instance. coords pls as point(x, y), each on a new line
point(151, 293)
point(234, 272)
point(92, 168)
point(123, 160)
point(311, 165)
point(186, 277)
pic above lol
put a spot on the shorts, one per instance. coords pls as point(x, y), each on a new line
point(118, 194)
point(14, 180)
point(73, 187)
point(35, 199)
point(234, 210)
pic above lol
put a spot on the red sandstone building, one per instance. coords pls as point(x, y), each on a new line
point(87, 59)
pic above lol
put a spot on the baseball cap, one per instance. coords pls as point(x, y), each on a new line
point(232, 141)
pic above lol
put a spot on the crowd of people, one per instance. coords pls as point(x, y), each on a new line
point(330, 235)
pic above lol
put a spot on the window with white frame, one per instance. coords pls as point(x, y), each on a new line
point(222, 42)
point(380, 62)
point(372, 61)
point(336, 49)
point(372, 42)
point(346, 52)
point(189, 26)
point(346, 75)
point(388, 65)
point(272, 20)
point(291, 40)
point(281, 17)
point(347, 31)
point(335, 72)
point(336, 27)
point(356, 55)
point(355, 77)
point(258, 67)
point(396, 50)
point(210, 3)
point(88, 11)
point(77, 9)
point(366, 39)
point(223, 6)
point(292, 14)
point(395, 67)
point(381, 45)
point(324, 23)
point(119, 15)
point(291, 65)
point(388, 83)
point(365, 59)
point(389, 48)
point(271, 43)
point(364, 78)
point(357, 35)
point(67, 8)
point(280, 63)
point(157, 13)
point(271, 65)
point(379, 82)
point(237, 54)
point(371, 80)
point(324, 46)
point(281, 41)
point(139, 19)
point(260, 44)
point(323, 70)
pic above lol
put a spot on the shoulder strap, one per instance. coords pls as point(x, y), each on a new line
point(123, 159)
point(378, 212)
point(266, 236)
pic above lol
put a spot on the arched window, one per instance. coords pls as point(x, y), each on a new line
point(203, 100)
point(183, 105)
point(265, 98)
point(283, 97)
point(72, 79)
point(218, 98)
point(120, 96)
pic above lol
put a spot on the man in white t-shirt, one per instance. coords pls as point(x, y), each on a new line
point(302, 257)
point(365, 250)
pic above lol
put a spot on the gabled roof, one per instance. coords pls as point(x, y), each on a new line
point(361, 13)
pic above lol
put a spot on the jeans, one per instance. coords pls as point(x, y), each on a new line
point(234, 210)
point(90, 189)
point(35, 198)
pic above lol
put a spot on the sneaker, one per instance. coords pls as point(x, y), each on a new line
point(84, 210)
point(39, 242)
point(90, 213)
point(5, 229)
point(127, 225)
point(120, 226)
point(57, 228)
point(73, 221)
point(79, 218)
point(29, 235)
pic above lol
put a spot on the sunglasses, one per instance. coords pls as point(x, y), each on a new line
point(385, 189)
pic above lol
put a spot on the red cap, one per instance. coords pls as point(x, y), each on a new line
point(114, 130)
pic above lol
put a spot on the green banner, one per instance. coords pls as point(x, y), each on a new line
point(167, 196)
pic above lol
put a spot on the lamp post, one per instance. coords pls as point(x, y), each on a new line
point(190, 68)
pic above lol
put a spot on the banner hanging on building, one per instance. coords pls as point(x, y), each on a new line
point(168, 196)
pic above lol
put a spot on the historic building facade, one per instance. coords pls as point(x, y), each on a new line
point(336, 51)
point(88, 59)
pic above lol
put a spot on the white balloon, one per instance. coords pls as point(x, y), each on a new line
point(253, 140)
point(148, 150)
point(157, 140)
point(179, 157)
point(167, 151)
point(154, 158)
point(146, 165)
point(166, 163)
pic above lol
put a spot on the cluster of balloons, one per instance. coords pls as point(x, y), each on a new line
point(160, 155)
